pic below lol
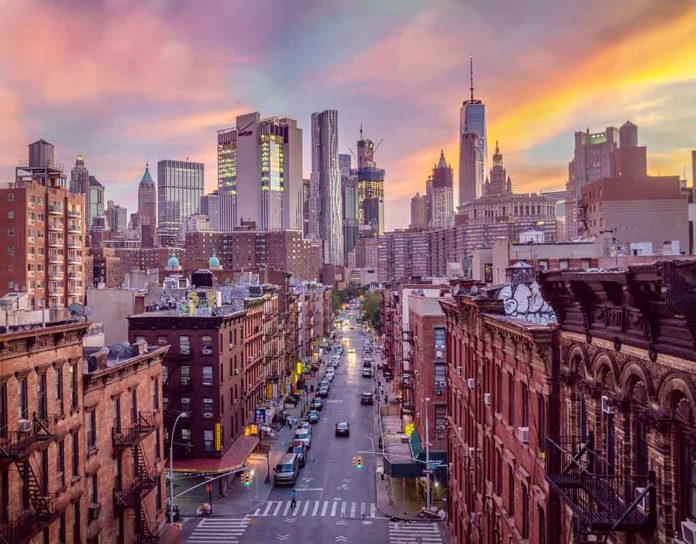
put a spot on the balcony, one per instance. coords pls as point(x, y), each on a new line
point(127, 437)
point(74, 228)
point(74, 275)
point(18, 443)
point(58, 227)
point(55, 210)
point(74, 259)
point(74, 213)
point(56, 259)
point(74, 244)
point(56, 242)
point(602, 501)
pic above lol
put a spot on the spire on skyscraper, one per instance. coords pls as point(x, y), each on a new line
point(442, 162)
point(147, 178)
point(471, 76)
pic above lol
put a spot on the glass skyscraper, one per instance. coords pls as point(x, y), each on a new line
point(179, 192)
point(472, 120)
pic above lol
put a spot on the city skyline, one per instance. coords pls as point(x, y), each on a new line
point(636, 62)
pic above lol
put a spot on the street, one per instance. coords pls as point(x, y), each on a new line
point(336, 501)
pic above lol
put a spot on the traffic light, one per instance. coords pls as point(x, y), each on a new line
point(247, 478)
point(357, 462)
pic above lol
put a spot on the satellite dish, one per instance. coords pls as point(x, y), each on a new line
point(88, 309)
point(76, 310)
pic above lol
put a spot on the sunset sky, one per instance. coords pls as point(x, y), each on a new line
point(124, 81)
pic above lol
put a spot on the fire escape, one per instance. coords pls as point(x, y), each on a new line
point(123, 438)
point(17, 447)
point(407, 397)
point(603, 501)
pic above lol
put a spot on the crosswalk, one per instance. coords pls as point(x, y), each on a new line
point(314, 508)
point(216, 530)
point(414, 533)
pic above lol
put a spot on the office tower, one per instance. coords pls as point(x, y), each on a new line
point(147, 200)
point(43, 233)
point(306, 205)
point(116, 217)
point(370, 187)
point(210, 206)
point(349, 196)
point(472, 120)
point(442, 214)
point(179, 191)
point(469, 151)
point(94, 201)
point(260, 173)
point(79, 177)
point(591, 161)
point(428, 200)
point(419, 218)
point(326, 186)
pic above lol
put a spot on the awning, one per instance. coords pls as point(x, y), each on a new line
point(234, 458)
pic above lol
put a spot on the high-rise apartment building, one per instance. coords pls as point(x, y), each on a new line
point(472, 120)
point(591, 161)
point(147, 200)
point(94, 201)
point(370, 187)
point(306, 205)
point(260, 173)
point(179, 192)
point(210, 206)
point(349, 197)
point(79, 177)
point(442, 214)
point(419, 219)
point(326, 186)
point(116, 217)
point(43, 234)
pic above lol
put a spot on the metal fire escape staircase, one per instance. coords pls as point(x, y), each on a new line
point(143, 482)
point(603, 501)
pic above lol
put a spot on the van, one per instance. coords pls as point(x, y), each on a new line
point(287, 470)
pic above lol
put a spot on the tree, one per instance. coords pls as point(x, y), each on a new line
point(371, 310)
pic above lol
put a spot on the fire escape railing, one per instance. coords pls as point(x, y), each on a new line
point(603, 500)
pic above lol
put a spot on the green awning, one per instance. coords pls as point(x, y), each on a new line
point(414, 443)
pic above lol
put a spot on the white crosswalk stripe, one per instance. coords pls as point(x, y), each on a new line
point(414, 533)
point(216, 530)
point(318, 508)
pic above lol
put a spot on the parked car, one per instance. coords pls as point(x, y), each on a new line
point(342, 428)
point(367, 372)
point(305, 436)
point(287, 470)
point(317, 404)
point(366, 398)
point(323, 392)
point(305, 425)
point(313, 416)
point(298, 448)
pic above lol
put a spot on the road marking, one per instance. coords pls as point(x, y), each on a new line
point(362, 509)
point(333, 508)
point(215, 530)
point(341, 538)
point(310, 489)
point(297, 507)
point(316, 507)
point(352, 509)
point(343, 509)
point(287, 508)
point(306, 506)
point(269, 505)
point(275, 513)
point(323, 510)
point(372, 510)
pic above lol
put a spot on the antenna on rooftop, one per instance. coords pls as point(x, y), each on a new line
point(471, 76)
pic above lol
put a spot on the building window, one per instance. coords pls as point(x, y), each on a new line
point(208, 440)
point(158, 445)
point(525, 405)
point(184, 345)
point(498, 472)
point(3, 410)
point(158, 491)
point(563, 264)
point(541, 420)
point(511, 400)
point(92, 489)
point(62, 539)
point(59, 391)
point(439, 333)
point(207, 345)
point(4, 496)
point(134, 407)
point(185, 375)
point(207, 375)
point(74, 403)
point(91, 432)
point(525, 511)
point(164, 374)
point(185, 404)
point(76, 522)
point(186, 434)
point(22, 399)
point(543, 265)
point(499, 389)
point(207, 405)
point(60, 463)
point(155, 394)
point(75, 454)
point(541, 521)
point(511, 491)
point(116, 416)
point(439, 374)
point(161, 340)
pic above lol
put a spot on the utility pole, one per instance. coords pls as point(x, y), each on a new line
point(171, 466)
point(428, 500)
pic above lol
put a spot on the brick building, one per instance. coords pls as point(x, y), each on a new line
point(148, 258)
point(106, 268)
point(501, 404)
point(627, 403)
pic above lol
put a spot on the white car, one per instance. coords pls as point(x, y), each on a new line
point(305, 436)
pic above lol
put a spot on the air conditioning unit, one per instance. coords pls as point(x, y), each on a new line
point(185, 381)
point(471, 383)
point(208, 415)
point(441, 384)
point(207, 350)
point(487, 399)
point(94, 511)
point(438, 354)
point(688, 532)
point(471, 452)
point(643, 504)
point(440, 346)
point(607, 408)
point(523, 434)
point(458, 370)
point(236, 371)
point(25, 426)
point(439, 427)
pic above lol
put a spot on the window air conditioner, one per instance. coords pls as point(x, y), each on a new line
point(607, 408)
point(25, 425)
point(643, 504)
point(523, 434)
point(472, 452)
point(184, 381)
point(208, 415)
point(487, 399)
point(471, 383)
point(688, 530)
point(439, 427)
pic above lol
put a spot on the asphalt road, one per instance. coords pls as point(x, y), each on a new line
point(336, 502)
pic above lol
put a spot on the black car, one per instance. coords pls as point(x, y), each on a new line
point(317, 404)
point(366, 398)
point(323, 392)
point(342, 429)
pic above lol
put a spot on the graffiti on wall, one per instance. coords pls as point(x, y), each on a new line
point(524, 301)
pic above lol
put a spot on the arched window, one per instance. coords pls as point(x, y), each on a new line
point(683, 414)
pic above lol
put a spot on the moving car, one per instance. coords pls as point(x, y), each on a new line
point(313, 416)
point(367, 372)
point(317, 404)
point(366, 398)
point(351, 350)
point(305, 436)
point(287, 470)
point(342, 429)
point(298, 448)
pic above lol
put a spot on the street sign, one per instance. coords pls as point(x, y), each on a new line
point(260, 415)
point(434, 464)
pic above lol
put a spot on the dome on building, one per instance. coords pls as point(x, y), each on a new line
point(213, 262)
point(173, 262)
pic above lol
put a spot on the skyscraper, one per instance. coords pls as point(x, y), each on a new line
point(179, 191)
point(260, 173)
point(95, 201)
point(419, 218)
point(116, 217)
point(472, 120)
point(79, 177)
point(591, 161)
point(147, 198)
point(442, 214)
point(326, 186)
point(210, 206)
point(349, 197)
point(370, 187)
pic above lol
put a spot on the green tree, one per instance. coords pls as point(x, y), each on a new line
point(371, 310)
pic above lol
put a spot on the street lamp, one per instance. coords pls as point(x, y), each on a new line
point(428, 500)
point(171, 466)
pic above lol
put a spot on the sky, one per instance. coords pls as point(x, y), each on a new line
point(128, 81)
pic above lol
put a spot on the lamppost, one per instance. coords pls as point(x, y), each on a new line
point(171, 466)
point(428, 500)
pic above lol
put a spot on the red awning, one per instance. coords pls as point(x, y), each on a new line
point(234, 458)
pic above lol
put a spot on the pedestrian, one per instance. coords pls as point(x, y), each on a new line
point(293, 497)
point(386, 399)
